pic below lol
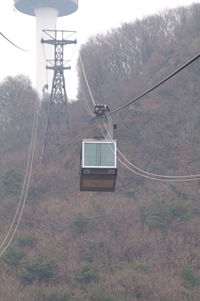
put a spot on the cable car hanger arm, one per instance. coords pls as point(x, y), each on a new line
point(102, 111)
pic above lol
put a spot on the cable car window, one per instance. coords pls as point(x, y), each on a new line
point(99, 154)
point(90, 155)
point(107, 154)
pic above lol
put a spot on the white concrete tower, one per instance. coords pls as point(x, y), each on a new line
point(46, 12)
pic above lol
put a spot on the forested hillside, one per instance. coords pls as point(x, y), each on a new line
point(142, 241)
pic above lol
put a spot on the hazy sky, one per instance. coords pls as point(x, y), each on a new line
point(92, 17)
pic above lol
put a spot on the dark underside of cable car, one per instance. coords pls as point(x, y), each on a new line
point(95, 179)
point(98, 165)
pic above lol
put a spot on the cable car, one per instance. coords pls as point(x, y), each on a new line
point(98, 165)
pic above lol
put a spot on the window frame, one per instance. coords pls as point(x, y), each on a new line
point(113, 142)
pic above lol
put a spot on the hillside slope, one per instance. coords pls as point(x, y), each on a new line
point(140, 242)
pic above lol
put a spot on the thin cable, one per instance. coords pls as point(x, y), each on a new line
point(157, 85)
point(88, 86)
point(26, 183)
point(156, 179)
point(21, 195)
point(149, 175)
point(154, 174)
point(86, 104)
point(25, 196)
point(25, 177)
point(13, 43)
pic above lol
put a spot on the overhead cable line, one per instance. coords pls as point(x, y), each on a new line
point(26, 183)
point(86, 104)
point(156, 85)
point(13, 43)
point(159, 175)
point(148, 175)
point(88, 86)
point(154, 178)
point(139, 171)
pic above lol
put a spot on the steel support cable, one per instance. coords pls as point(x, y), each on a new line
point(156, 85)
point(178, 177)
point(88, 86)
point(86, 104)
point(28, 174)
point(146, 174)
point(149, 175)
point(196, 176)
point(13, 43)
point(26, 183)
point(156, 179)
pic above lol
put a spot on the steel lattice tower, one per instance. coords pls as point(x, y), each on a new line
point(46, 13)
point(58, 127)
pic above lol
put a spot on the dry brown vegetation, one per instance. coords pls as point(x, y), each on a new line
point(142, 241)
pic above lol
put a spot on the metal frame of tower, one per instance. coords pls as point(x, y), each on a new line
point(58, 126)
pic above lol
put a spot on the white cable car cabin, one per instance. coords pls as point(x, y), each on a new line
point(98, 165)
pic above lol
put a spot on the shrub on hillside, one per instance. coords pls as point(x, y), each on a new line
point(12, 182)
point(189, 277)
point(39, 271)
point(81, 224)
point(13, 256)
point(88, 273)
point(27, 240)
point(49, 294)
point(161, 215)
